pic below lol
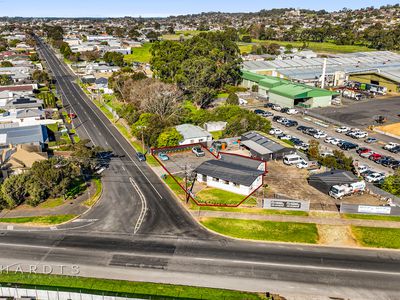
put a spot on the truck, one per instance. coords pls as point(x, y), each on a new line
point(340, 191)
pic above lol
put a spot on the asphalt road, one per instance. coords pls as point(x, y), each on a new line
point(171, 247)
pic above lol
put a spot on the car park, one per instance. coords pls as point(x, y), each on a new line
point(375, 177)
point(370, 140)
point(140, 156)
point(342, 129)
point(162, 156)
point(198, 151)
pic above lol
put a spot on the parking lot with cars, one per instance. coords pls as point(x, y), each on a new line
point(374, 156)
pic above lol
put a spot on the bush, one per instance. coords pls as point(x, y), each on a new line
point(254, 88)
point(246, 39)
point(232, 99)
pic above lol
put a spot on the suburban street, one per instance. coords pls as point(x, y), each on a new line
point(139, 231)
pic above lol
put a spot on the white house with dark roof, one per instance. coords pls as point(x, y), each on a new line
point(232, 173)
point(193, 134)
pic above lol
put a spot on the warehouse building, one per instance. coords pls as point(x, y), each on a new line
point(381, 68)
point(286, 93)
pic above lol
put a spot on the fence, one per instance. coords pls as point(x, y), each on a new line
point(285, 204)
point(369, 209)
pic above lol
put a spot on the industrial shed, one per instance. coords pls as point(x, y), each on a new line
point(263, 147)
point(325, 181)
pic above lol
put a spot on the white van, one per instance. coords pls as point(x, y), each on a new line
point(292, 159)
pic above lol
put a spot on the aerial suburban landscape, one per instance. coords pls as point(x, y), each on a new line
point(211, 151)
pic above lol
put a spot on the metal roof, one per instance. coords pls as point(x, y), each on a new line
point(268, 145)
point(229, 171)
point(25, 135)
point(189, 131)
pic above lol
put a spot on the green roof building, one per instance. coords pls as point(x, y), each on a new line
point(286, 93)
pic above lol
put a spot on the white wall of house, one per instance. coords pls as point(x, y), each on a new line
point(202, 139)
point(230, 186)
point(28, 121)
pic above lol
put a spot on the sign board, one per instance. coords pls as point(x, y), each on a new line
point(284, 204)
point(366, 209)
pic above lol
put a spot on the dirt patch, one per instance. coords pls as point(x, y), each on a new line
point(292, 182)
point(392, 128)
point(333, 235)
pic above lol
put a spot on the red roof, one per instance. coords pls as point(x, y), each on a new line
point(17, 88)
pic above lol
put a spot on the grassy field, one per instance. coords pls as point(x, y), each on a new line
point(371, 217)
point(217, 196)
point(51, 203)
point(245, 48)
point(93, 199)
point(43, 220)
point(377, 237)
point(264, 230)
point(139, 54)
point(256, 211)
point(321, 47)
point(120, 287)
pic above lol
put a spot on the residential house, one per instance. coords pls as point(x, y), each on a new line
point(10, 134)
point(193, 134)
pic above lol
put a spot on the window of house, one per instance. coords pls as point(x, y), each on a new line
point(216, 179)
point(226, 182)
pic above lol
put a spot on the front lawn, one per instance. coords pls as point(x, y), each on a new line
point(217, 196)
point(264, 230)
point(256, 211)
point(377, 237)
point(371, 217)
point(43, 220)
point(176, 188)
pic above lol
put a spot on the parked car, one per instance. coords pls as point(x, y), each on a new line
point(342, 129)
point(390, 146)
point(277, 118)
point(292, 111)
point(285, 109)
point(304, 147)
point(366, 153)
point(163, 156)
point(328, 139)
point(292, 159)
point(267, 114)
point(395, 150)
point(259, 112)
point(348, 146)
point(320, 135)
point(198, 151)
point(291, 123)
point(275, 131)
point(276, 107)
point(335, 141)
point(363, 150)
point(363, 168)
point(284, 137)
point(386, 161)
point(359, 135)
point(268, 105)
point(302, 128)
point(370, 140)
point(375, 177)
point(375, 157)
point(140, 156)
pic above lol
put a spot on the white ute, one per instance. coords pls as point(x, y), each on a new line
point(340, 191)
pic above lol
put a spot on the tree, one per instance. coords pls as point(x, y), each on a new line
point(391, 184)
point(114, 58)
point(6, 64)
point(246, 39)
point(313, 150)
point(13, 190)
point(5, 79)
point(40, 76)
point(169, 137)
point(232, 99)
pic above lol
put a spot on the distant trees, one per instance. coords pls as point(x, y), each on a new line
point(54, 33)
point(40, 76)
point(6, 64)
point(199, 66)
point(114, 58)
point(5, 79)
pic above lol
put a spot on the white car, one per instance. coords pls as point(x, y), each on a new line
point(285, 137)
point(276, 107)
point(363, 168)
point(390, 146)
point(375, 177)
point(320, 135)
point(292, 111)
point(302, 165)
point(275, 131)
point(342, 129)
point(325, 154)
point(335, 141)
point(367, 154)
point(360, 135)
point(329, 139)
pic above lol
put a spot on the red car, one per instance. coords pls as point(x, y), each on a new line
point(375, 157)
point(72, 115)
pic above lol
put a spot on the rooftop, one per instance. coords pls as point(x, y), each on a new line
point(189, 131)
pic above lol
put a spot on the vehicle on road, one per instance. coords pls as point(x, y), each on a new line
point(162, 156)
point(198, 151)
point(140, 156)
point(340, 191)
point(375, 177)
point(72, 115)
point(370, 140)
point(342, 129)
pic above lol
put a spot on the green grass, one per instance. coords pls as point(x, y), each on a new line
point(139, 54)
point(371, 217)
point(222, 95)
point(264, 230)
point(245, 48)
point(217, 196)
point(51, 203)
point(217, 134)
point(174, 186)
point(52, 127)
point(120, 287)
point(377, 237)
point(256, 211)
point(322, 47)
point(76, 139)
point(93, 199)
point(41, 220)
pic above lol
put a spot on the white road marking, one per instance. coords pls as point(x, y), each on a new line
point(84, 220)
point(10, 227)
point(144, 206)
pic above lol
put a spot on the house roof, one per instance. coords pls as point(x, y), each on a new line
point(229, 171)
point(189, 131)
point(24, 135)
point(334, 177)
point(260, 143)
point(101, 80)
point(18, 88)
point(24, 102)
point(240, 160)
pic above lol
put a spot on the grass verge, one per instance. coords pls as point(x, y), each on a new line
point(175, 187)
point(42, 220)
point(264, 230)
point(256, 211)
point(120, 287)
point(93, 199)
point(51, 203)
point(371, 217)
point(377, 237)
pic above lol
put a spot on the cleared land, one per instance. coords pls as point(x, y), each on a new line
point(377, 237)
point(264, 230)
point(120, 287)
point(392, 128)
point(139, 54)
